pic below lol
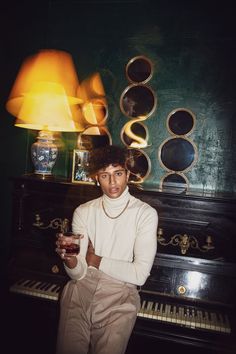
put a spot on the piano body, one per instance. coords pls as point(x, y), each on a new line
point(187, 303)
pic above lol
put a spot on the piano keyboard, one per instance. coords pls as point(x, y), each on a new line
point(185, 316)
point(36, 288)
point(175, 314)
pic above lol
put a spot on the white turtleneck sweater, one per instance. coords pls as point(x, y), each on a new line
point(127, 244)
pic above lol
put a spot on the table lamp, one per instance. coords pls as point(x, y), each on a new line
point(44, 98)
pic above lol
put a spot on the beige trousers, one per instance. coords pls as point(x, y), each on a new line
point(97, 315)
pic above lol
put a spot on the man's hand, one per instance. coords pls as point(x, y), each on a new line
point(70, 261)
point(91, 258)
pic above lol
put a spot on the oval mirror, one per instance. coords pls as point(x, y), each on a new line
point(134, 134)
point(174, 182)
point(177, 154)
point(138, 100)
point(181, 121)
point(139, 165)
point(139, 69)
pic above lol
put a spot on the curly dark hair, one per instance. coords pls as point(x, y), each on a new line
point(104, 156)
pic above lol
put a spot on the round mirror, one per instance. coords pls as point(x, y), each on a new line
point(134, 134)
point(177, 154)
point(139, 165)
point(181, 121)
point(174, 182)
point(138, 100)
point(95, 111)
point(94, 137)
point(139, 69)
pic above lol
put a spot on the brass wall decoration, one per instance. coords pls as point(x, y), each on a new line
point(139, 165)
point(185, 242)
point(181, 121)
point(138, 102)
point(139, 69)
point(95, 112)
point(56, 223)
point(134, 134)
point(178, 153)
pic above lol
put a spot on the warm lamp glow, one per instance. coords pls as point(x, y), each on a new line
point(46, 107)
point(50, 66)
point(44, 97)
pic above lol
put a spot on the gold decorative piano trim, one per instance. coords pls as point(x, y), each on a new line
point(185, 242)
point(57, 223)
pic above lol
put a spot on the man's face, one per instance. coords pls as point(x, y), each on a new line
point(113, 180)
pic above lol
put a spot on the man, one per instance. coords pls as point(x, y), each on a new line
point(99, 305)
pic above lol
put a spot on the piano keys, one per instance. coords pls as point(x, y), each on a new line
point(186, 316)
point(34, 288)
point(183, 315)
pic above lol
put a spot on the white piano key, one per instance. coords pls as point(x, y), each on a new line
point(149, 310)
point(35, 288)
point(227, 324)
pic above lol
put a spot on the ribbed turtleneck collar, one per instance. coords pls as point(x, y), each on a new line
point(116, 203)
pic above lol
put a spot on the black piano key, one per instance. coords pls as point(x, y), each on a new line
point(39, 285)
point(55, 288)
point(47, 286)
point(43, 285)
point(32, 282)
point(26, 282)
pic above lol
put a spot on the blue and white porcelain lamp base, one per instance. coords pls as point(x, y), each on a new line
point(44, 154)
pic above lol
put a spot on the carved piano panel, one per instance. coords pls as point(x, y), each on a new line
point(189, 299)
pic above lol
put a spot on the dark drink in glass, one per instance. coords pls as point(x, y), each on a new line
point(70, 242)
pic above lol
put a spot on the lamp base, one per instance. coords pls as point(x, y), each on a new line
point(44, 153)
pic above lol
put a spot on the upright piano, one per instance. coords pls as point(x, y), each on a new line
point(188, 301)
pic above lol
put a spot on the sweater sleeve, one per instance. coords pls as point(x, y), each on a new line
point(79, 227)
point(145, 247)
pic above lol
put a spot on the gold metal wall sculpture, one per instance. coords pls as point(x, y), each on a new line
point(139, 70)
point(56, 223)
point(137, 102)
point(178, 154)
point(185, 242)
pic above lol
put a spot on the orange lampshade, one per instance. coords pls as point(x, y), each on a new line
point(44, 95)
point(47, 107)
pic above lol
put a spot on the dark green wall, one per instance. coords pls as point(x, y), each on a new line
point(192, 45)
